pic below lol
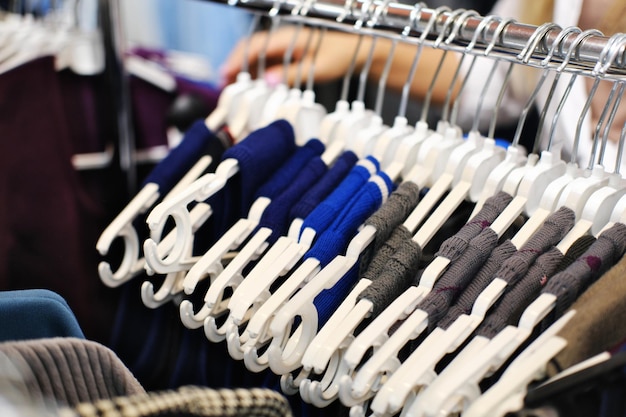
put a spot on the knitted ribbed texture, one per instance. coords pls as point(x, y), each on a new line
point(281, 179)
point(318, 192)
point(456, 278)
point(328, 210)
point(465, 301)
point(397, 273)
point(549, 234)
point(276, 215)
point(599, 321)
point(188, 401)
point(258, 156)
point(454, 246)
point(334, 240)
point(382, 255)
point(71, 370)
point(180, 159)
point(513, 302)
point(576, 251)
point(601, 255)
point(391, 214)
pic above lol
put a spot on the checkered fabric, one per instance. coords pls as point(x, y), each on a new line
point(188, 401)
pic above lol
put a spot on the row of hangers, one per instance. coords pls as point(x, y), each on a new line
point(364, 370)
point(67, 30)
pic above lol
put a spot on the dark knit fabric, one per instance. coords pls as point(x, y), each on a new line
point(549, 234)
point(390, 215)
point(281, 179)
point(276, 215)
point(317, 193)
point(382, 255)
point(454, 246)
point(601, 255)
point(576, 251)
point(516, 298)
point(597, 326)
point(180, 159)
point(397, 274)
point(483, 278)
point(456, 278)
point(327, 211)
point(261, 154)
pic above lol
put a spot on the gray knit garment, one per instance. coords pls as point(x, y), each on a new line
point(454, 246)
point(516, 298)
point(382, 255)
point(457, 277)
point(549, 234)
point(390, 215)
point(483, 278)
point(71, 370)
point(398, 272)
point(601, 255)
point(578, 248)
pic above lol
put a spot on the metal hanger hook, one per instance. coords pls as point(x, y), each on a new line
point(459, 23)
point(534, 39)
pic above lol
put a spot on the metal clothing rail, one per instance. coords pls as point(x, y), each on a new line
point(355, 15)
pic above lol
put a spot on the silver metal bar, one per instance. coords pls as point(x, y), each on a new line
point(335, 14)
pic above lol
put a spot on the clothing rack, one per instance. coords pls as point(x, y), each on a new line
point(391, 19)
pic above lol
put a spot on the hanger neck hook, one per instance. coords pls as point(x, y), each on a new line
point(469, 49)
point(556, 45)
point(611, 119)
point(572, 51)
point(365, 13)
point(608, 54)
point(524, 57)
point(347, 10)
point(254, 24)
point(496, 36)
point(457, 21)
point(310, 79)
point(382, 82)
point(484, 23)
point(442, 33)
point(414, 18)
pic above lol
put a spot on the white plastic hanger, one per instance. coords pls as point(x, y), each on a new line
point(435, 152)
point(176, 207)
point(364, 383)
point(280, 93)
point(418, 370)
point(511, 387)
point(320, 352)
point(246, 118)
point(471, 370)
point(232, 93)
point(342, 107)
point(284, 357)
point(359, 117)
point(258, 326)
point(308, 114)
point(324, 352)
point(512, 181)
point(248, 344)
point(122, 227)
point(508, 393)
point(578, 193)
